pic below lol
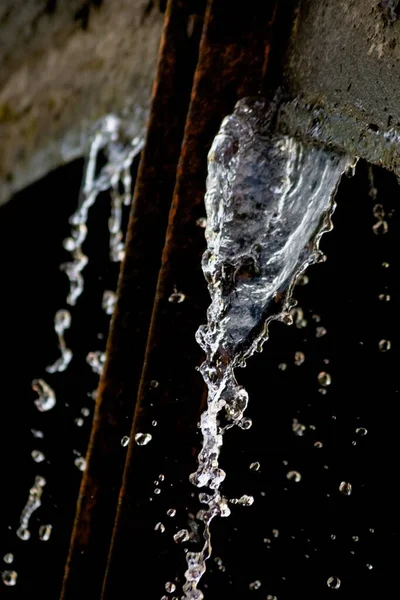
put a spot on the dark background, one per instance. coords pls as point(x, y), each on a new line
point(316, 523)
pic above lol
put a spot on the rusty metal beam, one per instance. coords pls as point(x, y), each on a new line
point(146, 233)
point(233, 53)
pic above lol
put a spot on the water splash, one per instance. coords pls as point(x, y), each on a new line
point(115, 173)
point(33, 503)
point(47, 397)
point(269, 200)
point(62, 321)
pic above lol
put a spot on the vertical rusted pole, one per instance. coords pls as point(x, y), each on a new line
point(126, 345)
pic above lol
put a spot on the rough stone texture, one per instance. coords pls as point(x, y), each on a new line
point(64, 65)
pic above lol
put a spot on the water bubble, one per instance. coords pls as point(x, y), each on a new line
point(154, 384)
point(80, 462)
point(8, 558)
point(170, 587)
point(384, 297)
point(157, 491)
point(255, 585)
point(255, 466)
point(361, 431)
point(324, 378)
point(346, 488)
point(9, 578)
point(142, 439)
point(176, 297)
point(299, 358)
point(384, 345)
point(160, 527)
point(161, 477)
point(334, 583)
point(293, 476)
point(171, 512)
point(320, 332)
point(181, 536)
point(38, 456)
point(45, 532)
point(245, 423)
point(154, 423)
point(125, 441)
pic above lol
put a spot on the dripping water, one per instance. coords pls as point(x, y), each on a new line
point(269, 200)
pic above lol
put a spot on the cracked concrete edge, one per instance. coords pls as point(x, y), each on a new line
point(52, 99)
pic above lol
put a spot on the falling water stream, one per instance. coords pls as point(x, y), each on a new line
point(269, 200)
point(111, 140)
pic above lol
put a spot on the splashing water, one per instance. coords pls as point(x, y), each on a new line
point(115, 172)
point(62, 321)
point(33, 503)
point(269, 200)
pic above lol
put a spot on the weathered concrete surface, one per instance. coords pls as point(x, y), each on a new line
point(64, 65)
point(343, 70)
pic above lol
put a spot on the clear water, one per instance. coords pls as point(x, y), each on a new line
point(269, 200)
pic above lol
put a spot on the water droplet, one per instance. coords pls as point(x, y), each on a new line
point(384, 345)
point(45, 532)
point(79, 422)
point(157, 491)
point(85, 411)
point(255, 585)
point(361, 431)
point(275, 533)
point(333, 536)
point(109, 301)
point(154, 384)
point(346, 488)
point(369, 567)
point(47, 397)
point(154, 423)
point(320, 332)
point(385, 265)
point(9, 578)
point(322, 391)
point(380, 227)
point(23, 533)
point(324, 378)
point(181, 536)
point(176, 297)
point(298, 428)
point(384, 297)
point(318, 444)
point(80, 462)
point(302, 280)
point(269, 597)
point(245, 423)
point(202, 222)
point(334, 583)
point(255, 466)
point(125, 441)
point(170, 587)
point(142, 439)
point(282, 366)
point(246, 500)
point(161, 477)
point(293, 476)
point(159, 527)
point(38, 456)
point(37, 434)
point(355, 538)
point(8, 558)
point(171, 512)
point(299, 358)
